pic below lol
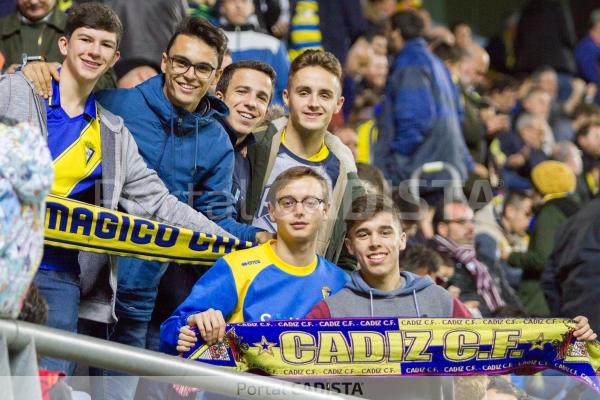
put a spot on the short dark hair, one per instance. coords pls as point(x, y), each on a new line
point(439, 214)
point(419, 257)
point(203, 30)
point(410, 24)
point(372, 175)
point(514, 198)
point(316, 58)
point(292, 174)
point(365, 207)
point(374, 30)
point(449, 53)
point(411, 207)
point(94, 16)
point(503, 82)
point(259, 66)
point(458, 23)
point(585, 129)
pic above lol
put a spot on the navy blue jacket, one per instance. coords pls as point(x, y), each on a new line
point(420, 118)
point(191, 152)
point(587, 56)
point(242, 172)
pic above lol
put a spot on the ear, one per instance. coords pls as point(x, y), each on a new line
point(63, 45)
point(339, 104)
point(219, 95)
point(116, 58)
point(349, 246)
point(403, 241)
point(163, 62)
point(326, 208)
point(218, 74)
point(286, 98)
point(509, 211)
point(442, 228)
point(271, 210)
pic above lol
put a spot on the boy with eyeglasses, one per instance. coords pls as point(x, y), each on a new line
point(281, 279)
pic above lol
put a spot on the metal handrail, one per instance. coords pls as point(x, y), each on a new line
point(115, 356)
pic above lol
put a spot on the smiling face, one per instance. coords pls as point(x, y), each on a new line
point(247, 97)
point(89, 53)
point(313, 96)
point(376, 243)
point(186, 89)
point(299, 223)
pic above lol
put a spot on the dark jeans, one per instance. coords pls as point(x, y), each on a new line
point(61, 291)
point(136, 294)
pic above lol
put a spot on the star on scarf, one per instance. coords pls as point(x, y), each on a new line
point(264, 346)
point(538, 343)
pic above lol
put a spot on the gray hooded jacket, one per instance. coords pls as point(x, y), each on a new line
point(126, 181)
point(417, 297)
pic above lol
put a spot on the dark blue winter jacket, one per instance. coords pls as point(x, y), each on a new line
point(420, 118)
point(191, 152)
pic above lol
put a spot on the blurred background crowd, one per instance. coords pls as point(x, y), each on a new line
point(505, 95)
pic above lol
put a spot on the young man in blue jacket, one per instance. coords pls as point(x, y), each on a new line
point(280, 279)
point(420, 117)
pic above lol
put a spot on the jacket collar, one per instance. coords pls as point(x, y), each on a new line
point(173, 118)
point(233, 136)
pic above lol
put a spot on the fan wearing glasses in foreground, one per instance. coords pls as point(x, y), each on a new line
point(281, 279)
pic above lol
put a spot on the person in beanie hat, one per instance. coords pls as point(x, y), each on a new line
point(553, 178)
point(554, 182)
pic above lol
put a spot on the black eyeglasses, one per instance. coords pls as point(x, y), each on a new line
point(181, 65)
point(310, 203)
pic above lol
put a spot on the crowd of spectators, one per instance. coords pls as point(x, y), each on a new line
point(415, 110)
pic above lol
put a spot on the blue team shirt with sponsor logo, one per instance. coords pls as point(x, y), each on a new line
point(256, 285)
point(74, 144)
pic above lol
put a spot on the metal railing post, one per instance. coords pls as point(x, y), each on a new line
point(114, 356)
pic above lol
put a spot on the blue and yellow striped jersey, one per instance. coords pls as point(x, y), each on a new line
point(323, 162)
point(256, 285)
point(74, 144)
